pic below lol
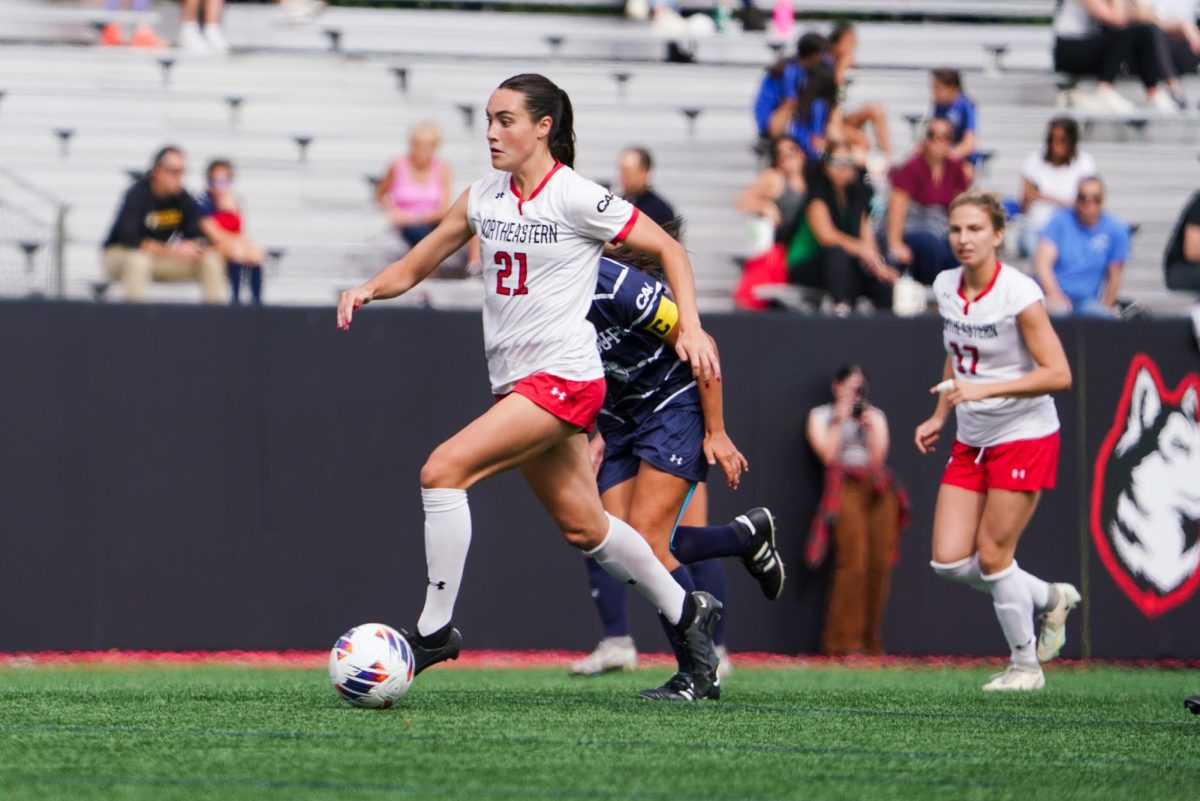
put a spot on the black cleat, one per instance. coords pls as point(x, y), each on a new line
point(425, 654)
point(698, 641)
point(762, 560)
point(679, 687)
point(1192, 702)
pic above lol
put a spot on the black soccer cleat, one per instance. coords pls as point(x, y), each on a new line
point(679, 687)
point(425, 655)
point(762, 560)
point(1192, 702)
point(698, 641)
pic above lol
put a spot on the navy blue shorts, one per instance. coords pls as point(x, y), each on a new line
point(671, 440)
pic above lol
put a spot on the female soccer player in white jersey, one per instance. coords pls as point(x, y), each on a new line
point(541, 227)
point(1003, 359)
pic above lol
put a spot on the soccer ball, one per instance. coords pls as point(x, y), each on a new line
point(371, 666)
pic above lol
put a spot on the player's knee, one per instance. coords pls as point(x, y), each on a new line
point(582, 537)
point(993, 558)
point(441, 471)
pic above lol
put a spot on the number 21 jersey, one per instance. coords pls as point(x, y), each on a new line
point(985, 345)
point(540, 259)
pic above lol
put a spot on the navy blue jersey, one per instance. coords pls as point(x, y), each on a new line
point(632, 312)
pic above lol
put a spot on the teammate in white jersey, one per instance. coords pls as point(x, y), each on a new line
point(1003, 359)
point(541, 229)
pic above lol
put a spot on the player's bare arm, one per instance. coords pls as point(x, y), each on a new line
point(416, 265)
point(928, 432)
point(692, 345)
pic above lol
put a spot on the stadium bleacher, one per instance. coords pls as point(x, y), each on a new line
point(352, 105)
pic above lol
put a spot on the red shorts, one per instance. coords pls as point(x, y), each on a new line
point(576, 402)
point(1025, 465)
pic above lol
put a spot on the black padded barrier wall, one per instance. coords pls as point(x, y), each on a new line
point(203, 478)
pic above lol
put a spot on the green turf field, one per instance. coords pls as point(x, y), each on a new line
point(832, 733)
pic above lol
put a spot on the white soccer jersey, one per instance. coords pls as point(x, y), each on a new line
point(985, 345)
point(540, 257)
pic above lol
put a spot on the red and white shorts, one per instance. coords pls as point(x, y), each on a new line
point(576, 402)
point(1026, 465)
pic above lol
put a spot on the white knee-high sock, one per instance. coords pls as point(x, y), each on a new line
point(964, 571)
point(1038, 590)
point(1014, 609)
point(447, 538)
point(626, 555)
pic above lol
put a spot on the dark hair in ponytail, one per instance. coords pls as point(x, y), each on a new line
point(544, 99)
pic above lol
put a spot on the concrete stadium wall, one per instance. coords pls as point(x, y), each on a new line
point(204, 478)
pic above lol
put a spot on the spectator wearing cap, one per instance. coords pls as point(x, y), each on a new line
point(1050, 180)
point(918, 223)
point(1182, 259)
point(1081, 255)
point(633, 170)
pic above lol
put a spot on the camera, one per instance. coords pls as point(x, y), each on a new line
point(856, 411)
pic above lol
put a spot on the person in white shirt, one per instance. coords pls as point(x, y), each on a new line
point(1096, 37)
point(1178, 40)
point(1050, 179)
point(1003, 359)
point(542, 228)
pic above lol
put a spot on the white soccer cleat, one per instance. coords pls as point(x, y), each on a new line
point(612, 653)
point(1054, 622)
point(724, 666)
point(1017, 678)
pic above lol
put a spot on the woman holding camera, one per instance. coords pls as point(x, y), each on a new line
point(860, 511)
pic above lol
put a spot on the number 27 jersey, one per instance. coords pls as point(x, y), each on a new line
point(540, 258)
point(984, 343)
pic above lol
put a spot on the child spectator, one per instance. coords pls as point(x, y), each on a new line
point(775, 103)
point(815, 110)
point(223, 227)
point(952, 105)
point(1050, 179)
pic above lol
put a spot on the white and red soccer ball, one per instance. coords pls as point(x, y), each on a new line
point(371, 666)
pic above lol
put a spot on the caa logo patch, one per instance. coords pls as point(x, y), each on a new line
point(1145, 515)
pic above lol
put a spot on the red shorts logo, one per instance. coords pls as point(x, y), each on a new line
point(1145, 515)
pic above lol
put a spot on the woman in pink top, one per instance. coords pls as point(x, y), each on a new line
point(415, 192)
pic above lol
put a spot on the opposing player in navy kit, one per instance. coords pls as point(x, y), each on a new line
point(660, 430)
point(1003, 359)
point(541, 228)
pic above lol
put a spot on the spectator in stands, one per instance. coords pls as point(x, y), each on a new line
point(143, 35)
point(1182, 259)
point(777, 193)
point(1095, 37)
point(775, 104)
point(842, 56)
point(209, 40)
point(834, 248)
point(918, 222)
point(157, 234)
point(1177, 40)
point(633, 170)
point(1050, 179)
point(860, 512)
point(222, 225)
point(1081, 255)
point(816, 110)
point(952, 105)
point(415, 191)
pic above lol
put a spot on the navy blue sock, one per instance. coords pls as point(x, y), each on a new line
point(710, 577)
point(684, 577)
point(255, 273)
point(693, 544)
point(608, 592)
point(235, 279)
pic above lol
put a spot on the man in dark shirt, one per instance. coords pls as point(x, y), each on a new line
point(1182, 259)
point(157, 235)
point(633, 170)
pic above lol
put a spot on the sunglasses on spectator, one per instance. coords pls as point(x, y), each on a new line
point(1084, 197)
point(221, 181)
point(842, 161)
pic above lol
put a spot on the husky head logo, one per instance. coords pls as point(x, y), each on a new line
point(1146, 491)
